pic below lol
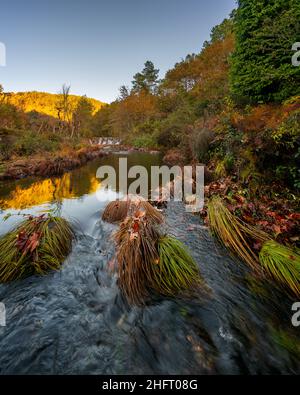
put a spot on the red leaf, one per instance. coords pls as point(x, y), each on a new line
point(248, 218)
point(277, 229)
point(33, 242)
point(271, 214)
point(239, 198)
point(135, 227)
point(263, 223)
point(294, 216)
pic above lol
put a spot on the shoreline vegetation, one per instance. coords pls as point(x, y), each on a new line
point(233, 107)
point(48, 165)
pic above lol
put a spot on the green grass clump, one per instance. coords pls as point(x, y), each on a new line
point(233, 233)
point(282, 264)
point(36, 246)
point(149, 262)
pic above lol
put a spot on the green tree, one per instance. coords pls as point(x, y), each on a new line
point(261, 66)
point(82, 116)
point(221, 31)
point(147, 80)
point(102, 120)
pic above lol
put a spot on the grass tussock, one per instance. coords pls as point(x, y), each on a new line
point(36, 246)
point(115, 211)
point(152, 213)
point(136, 254)
point(233, 233)
point(282, 264)
point(148, 261)
point(118, 210)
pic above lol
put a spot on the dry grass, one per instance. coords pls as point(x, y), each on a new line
point(115, 211)
point(118, 210)
point(36, 246)
point(152, 214)
point(136, 254)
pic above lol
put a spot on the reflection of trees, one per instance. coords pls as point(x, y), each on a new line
point(94, 185)
point(24, 194)
point(39, 192)
point(50, 190)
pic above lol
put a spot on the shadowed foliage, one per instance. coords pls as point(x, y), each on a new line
point(233, 233)
point(36, 246)
point(282, 264)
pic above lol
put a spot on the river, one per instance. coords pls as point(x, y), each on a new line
point(75, 321)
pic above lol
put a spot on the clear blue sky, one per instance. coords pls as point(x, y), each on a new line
point(98, 45)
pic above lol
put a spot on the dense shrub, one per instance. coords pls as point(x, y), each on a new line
point(169, 136)
point(287, 143)
point(145, 140)
point(200, 141)
point(30, 143)
point(7, 140)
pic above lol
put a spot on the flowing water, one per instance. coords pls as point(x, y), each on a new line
point(75, 321)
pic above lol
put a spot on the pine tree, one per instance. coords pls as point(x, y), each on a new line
point(147, 80)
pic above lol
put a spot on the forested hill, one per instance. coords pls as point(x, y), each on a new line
point(46, 103)
point(234, 106)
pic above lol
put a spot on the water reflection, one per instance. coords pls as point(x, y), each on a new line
point(28, 193)
point(77, 195)
point(51, 189)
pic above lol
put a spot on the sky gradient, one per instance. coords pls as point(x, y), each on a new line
point(95, 45)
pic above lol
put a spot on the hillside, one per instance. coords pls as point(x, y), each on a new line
point(45, 103)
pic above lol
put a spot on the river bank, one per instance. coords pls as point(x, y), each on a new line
point(48, 165)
